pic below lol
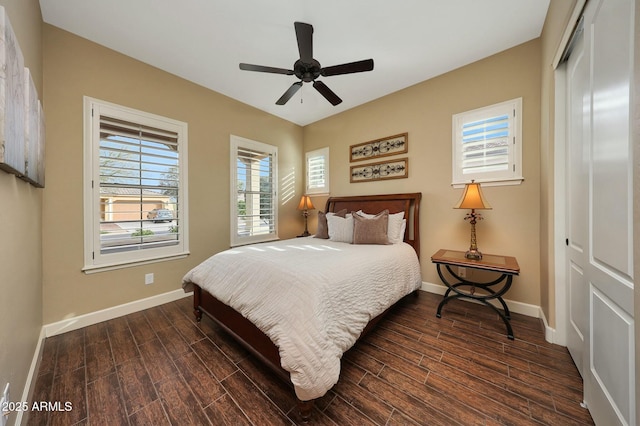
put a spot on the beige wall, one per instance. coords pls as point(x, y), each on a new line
point(425, 111)
point(75, 68)
point(21, 241)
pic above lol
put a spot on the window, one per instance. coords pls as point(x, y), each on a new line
point(318, 171)
point(487, 144)
point(135, 186)
point(254, 206)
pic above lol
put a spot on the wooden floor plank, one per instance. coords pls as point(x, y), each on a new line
point(152, 414)
point(104, 401)
point(136, 386)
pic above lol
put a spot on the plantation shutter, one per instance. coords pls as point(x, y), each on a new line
point(138, 175)
point(318, 171)
point(487, 144)
point(255, 189)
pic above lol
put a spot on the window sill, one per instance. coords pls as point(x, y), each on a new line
point(514, 181)
point(92, 269)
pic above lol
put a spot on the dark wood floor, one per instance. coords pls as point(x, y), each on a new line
point(158, 367)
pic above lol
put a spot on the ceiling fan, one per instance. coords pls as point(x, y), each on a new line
point(308, 69)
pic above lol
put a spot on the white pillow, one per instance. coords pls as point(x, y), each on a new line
point(340, 228)
point(402, 230)
point(397, 226)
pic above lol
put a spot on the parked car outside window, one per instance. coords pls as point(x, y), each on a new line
point(160, 215)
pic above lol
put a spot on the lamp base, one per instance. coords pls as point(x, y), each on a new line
point(306, 230)
point(473, 254)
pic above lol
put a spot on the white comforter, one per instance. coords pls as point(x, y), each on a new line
point(312, 297)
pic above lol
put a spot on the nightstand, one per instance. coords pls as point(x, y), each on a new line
point(506, 266)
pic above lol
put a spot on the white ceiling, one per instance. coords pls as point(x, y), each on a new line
point(203, 41)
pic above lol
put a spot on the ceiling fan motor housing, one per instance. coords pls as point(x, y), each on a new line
point(306, 72)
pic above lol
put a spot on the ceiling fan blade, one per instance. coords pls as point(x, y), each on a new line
point(351, 67)
point(327, 93)
point(289, 93)
point(304, 34)
point(260, 68)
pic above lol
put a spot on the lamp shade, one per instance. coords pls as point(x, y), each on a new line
point(305, 203)
point(472, 198)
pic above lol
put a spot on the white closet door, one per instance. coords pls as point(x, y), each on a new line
point(577, 169)
point(600, 213)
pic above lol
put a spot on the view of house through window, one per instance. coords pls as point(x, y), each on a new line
point(254, 207)
point(139, 171)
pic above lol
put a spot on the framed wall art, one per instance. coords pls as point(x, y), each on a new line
point(391, 145)
point(12, 100)
point(390, 169)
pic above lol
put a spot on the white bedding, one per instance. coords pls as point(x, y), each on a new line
point(312, 297)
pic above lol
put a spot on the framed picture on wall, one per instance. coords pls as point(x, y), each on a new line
point(391, 145)
point(12, 100)
point(390, 169)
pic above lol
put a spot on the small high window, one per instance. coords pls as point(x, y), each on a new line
point(317, 171)
point(487, 144)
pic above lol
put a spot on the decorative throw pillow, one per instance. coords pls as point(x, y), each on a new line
point(371, 230)
point(323, 229)
point(396, 228)
point(340, 228)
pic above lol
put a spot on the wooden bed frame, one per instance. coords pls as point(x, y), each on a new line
point(258, 343)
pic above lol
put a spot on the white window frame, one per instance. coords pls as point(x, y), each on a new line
point(94, 259)
point(236, 237)
point(315, 187)
point(513, 174)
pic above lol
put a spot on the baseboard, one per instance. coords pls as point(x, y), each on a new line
point(30, 383)
point(550, 334)
point(516, 307)
point(91, 318)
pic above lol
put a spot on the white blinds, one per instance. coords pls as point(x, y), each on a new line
point(485, 145)
point(139, 186)
point(255, 181)
point(317, 171)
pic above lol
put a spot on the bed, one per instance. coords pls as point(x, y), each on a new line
point(322, 310)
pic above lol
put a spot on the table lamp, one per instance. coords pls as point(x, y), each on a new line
point(473, 199)
point(305, 205)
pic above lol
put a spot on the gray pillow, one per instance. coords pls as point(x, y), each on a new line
point(371, 230)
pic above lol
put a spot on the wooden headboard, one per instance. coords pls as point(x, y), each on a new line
point(407, 203)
